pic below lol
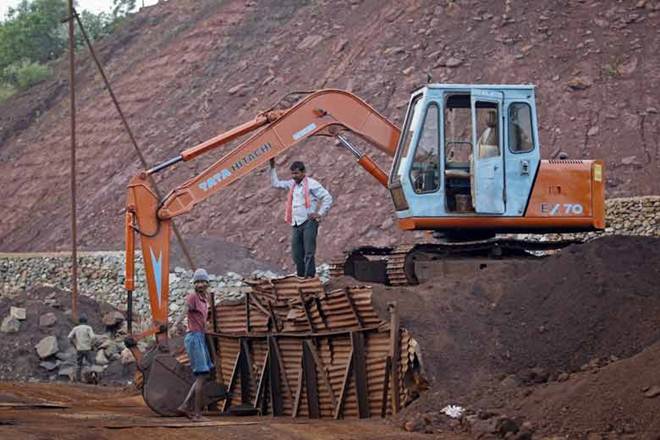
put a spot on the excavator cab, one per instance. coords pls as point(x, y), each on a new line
point(465, 151)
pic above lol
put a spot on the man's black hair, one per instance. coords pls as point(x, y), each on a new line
point(297, 165)
point(82, 319)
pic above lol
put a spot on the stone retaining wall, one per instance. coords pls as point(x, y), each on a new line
point(101, 274)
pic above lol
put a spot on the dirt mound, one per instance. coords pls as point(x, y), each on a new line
point(186, 70)
point(591, 301)
point(19, 360)
point(491, 339)
point(615, 399)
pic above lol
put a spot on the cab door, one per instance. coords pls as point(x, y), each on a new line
point(487, 162)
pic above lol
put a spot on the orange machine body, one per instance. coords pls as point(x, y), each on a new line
point(566, 196)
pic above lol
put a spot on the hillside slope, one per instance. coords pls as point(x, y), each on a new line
point(186, 70)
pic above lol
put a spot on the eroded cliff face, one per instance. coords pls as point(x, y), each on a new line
point(185, 71)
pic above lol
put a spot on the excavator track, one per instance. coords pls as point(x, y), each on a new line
point(395, 266)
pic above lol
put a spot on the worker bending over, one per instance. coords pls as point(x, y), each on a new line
point(306, 204)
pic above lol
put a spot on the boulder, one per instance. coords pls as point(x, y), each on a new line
point(67, 356)
point(101, 359)
point(47, 347)
point(47, 319)
point(113, 318)
point(68, 371)
point(10, 325)
point(17, 312)
point(126, 357)
point(48, 365)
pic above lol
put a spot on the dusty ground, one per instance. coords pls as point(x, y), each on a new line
point(186, 70)
point(113, 413)
point(569, 343)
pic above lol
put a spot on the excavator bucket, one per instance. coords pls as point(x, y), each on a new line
point(167, 383)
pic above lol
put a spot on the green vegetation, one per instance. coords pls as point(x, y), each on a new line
point(32, 36)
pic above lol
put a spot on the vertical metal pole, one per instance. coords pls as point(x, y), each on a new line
point(74, 241)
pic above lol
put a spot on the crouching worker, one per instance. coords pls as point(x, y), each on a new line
point(196, 309)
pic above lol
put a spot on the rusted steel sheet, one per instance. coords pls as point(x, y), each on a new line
point(296, 313)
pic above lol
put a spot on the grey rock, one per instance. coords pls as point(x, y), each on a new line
point(652, 392)
point(48, 365)
point(47, 319)
point(68, 371)
point(112, 318)
point(17, 312)
point(47, 347)
point(101, 359)
point(10, 325)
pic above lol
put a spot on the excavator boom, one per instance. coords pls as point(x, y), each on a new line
point(321, 113)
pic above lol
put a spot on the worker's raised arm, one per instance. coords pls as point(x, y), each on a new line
point(275, 181)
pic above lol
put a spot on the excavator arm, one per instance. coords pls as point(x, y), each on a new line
point(321, 113)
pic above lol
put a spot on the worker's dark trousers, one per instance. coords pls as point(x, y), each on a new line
point(303, 248)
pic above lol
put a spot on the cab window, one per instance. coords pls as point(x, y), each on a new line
point(520, 128)
point(413, 117)
point(425, 169)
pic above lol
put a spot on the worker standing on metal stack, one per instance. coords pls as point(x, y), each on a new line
point(196, 309)
point(306, 204)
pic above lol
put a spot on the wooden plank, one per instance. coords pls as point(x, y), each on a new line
point(311, 384)
point(395, 355)
point(339, 409)
point(273, 317)
point(211, 345)
point(280, 362)
point(296, 402)
point(360, 373)
point(274, 377)
point(248, 325)
point(324, 371)
point(301, 335)
point(257, 303)
point(214, 316)
point(232, 382)
point(245, 372)
point(324, 319)
point(261, 386)
point(356, 315)
point(388, 369)
point(307, 314)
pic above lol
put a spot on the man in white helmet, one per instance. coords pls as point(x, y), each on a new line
point(196, 309)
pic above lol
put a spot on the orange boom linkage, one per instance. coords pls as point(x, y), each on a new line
point(321, 113)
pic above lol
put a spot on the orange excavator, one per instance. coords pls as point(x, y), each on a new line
point(466, 164)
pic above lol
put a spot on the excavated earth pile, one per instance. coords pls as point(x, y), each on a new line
point(566, 345)
point(46, 324)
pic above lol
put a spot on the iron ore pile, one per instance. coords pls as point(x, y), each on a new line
point(35, 346)
point(565, 347)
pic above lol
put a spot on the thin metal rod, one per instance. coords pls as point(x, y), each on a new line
point(74, 232)
point(350, 147)
point(129, 312)
point(166, 164)
point(124, 121)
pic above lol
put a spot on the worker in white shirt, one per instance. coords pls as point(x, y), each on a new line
point(82, 337)
point(306, 204)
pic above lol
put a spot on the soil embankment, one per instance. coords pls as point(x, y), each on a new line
point(568, 344)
